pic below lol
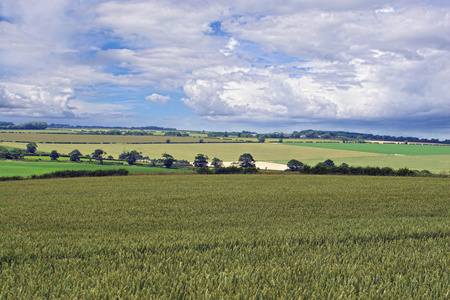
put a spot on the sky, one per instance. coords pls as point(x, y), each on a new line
point(369, 66)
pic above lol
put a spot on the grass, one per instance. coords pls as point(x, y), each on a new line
point(402, 149)
point(231, 237)
point(26, 169)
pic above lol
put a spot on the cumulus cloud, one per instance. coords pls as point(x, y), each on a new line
point(30, 100)
point(156, 98)
point(239, 61)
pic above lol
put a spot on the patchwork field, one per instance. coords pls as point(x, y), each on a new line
point(276, 153)
point(231, 236)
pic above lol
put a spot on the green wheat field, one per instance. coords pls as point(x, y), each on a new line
point(226, 237)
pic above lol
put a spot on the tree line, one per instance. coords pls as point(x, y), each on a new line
point(29, 125)
point(329, 168)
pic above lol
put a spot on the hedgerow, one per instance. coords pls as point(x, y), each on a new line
point(227, 170)
point(71, 173)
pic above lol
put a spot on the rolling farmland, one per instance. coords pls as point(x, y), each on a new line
point(232, 236)
point(271, 152)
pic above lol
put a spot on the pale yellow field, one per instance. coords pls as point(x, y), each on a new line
point(226, 152)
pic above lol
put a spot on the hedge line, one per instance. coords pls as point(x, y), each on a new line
point(346, 170)
point(227, 170)
point(71, 174)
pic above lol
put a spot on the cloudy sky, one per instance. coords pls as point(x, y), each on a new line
point(358, 65)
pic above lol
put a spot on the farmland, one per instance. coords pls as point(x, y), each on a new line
point(231, 236)
point(270, 152)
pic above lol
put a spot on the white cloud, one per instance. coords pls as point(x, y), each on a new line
point(156, 98)
point(30, 100)
point(278, 61)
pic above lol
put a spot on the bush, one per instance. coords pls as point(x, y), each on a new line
point(8, 178)
point(204, 170)
point(228, 170)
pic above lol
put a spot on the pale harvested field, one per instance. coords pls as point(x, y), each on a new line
point(226, 152)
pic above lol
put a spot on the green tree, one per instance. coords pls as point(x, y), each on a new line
point(17, 153)
point(216, 163)
point(131, 157)
point(4, 153)
point(294, 165)
point(246, 160)
point(75, 155)
point(31, 147)
point(168, 141)
point(54, 155)
point(168, 160)
point(329, 163)
point(261, 139)
point(201, 161)
point(98, 154)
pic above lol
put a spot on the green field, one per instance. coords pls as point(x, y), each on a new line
point(402, 149)
point(226, 237)
point(277, 153)
point(435, 159)
point(26, 169)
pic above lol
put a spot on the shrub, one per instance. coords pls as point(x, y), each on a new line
point(204, 170)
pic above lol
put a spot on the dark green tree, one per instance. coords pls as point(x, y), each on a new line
point(17, 153)
point(131, 157)
point(54, 155)
point(75, 155)
point(329, 163)
point(246, 160)
point(201, 161)
point(4, 153)
point(294, 165)
point(216, 163)
point(98, 154)
point(261, 139)
point(168, 160)
point(31, 147)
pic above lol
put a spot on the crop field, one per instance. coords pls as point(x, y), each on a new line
point(226, 236)
point(268, 152)
point(26, 169)
point(98, 139)
point(435, 159)
point(226, 152)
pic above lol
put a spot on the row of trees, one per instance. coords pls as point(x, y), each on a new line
point(11, 154)
point(246, 160)
point(328, 167)
point(29, 125)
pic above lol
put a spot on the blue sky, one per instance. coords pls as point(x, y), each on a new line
point(367, 66)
